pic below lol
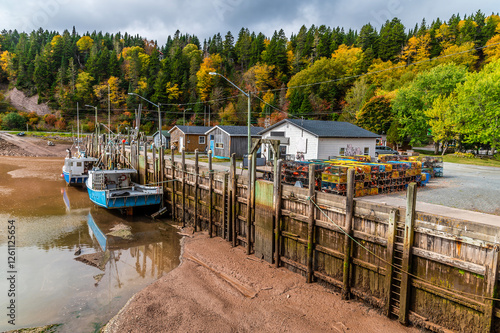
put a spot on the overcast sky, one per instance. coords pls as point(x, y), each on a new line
point(156, 19)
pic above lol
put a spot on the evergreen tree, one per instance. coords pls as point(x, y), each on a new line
point(392, 39)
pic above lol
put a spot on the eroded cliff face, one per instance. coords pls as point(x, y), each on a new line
point(21, 102)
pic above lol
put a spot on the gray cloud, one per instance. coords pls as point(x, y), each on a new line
point(157, 20)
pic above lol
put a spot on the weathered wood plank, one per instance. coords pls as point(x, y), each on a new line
point(348, 231)
point(407, 247)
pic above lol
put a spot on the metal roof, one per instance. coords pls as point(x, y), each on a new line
point(328, 129)
point(191, 129)
point(238, 130)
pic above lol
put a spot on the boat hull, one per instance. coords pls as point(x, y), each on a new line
point(74, 180)
point(120, 199)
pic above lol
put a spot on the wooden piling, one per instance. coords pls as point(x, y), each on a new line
point(196, 190)
point(122, 157)
point(491, 277)
point(310, 228)
point(407, 253)
point(172, 169)
point(225, 207)
point(277, 211)
point(210, 194)
point(254, 179)
point(249, 204)
point(155, 167)
point(183, 178)
point(233, 199)
point(161, 161)
point(145, 162)
point(346, 286)
point(391, 238)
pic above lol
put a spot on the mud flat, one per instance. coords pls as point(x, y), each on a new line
point(220, 288)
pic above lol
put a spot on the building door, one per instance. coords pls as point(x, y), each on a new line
point(212, 143)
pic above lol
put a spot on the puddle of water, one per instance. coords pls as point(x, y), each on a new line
point(51, 223)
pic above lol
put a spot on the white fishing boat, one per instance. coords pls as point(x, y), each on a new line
point(75, 168)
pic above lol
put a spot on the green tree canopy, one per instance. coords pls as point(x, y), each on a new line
point(412, 101)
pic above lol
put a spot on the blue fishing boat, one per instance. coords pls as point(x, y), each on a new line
point(75, 169)
point(113, 189)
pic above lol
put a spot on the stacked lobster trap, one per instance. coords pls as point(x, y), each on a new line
point(369, 178)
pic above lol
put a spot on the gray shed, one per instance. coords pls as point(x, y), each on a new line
point(223, 141)
point(165, 139)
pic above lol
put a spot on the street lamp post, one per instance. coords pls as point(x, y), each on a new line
point(95, 107)
point(249, 109)
point(184, 116)
point(159, 115)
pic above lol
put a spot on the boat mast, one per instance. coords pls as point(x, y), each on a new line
point(77, 128)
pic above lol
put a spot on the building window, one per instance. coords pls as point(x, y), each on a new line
point(367, 151)
point(277, 133)
point(201, 140)
point(219, 145)
point(78, 164)
point(342, 151)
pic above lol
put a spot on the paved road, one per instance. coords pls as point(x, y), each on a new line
point(475, 189)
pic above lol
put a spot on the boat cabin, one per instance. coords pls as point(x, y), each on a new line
point(111, 179)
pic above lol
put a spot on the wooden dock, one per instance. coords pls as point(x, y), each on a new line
point(424, 269)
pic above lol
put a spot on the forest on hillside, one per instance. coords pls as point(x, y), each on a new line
point(437, 81)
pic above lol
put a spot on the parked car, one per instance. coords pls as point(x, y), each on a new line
point(21, 134)
point(382, 150)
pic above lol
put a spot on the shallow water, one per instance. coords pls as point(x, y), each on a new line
point(51, 223)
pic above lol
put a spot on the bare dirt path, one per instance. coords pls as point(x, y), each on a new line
point(233, 292)
point(13, 145)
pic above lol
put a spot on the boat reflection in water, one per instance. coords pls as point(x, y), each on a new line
point(148, 247)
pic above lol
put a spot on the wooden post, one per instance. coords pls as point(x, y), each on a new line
point(491, 277)
point(277, 211)
point(224, 208)
point(249, 204)
point(145, 162)
point(391, 238)
point(310, 228)
point(172, 169)
point(90, 143)
point(122, 159)
point(161, 160)
point(233, 199)
point(411, 197)
point(252, 195)
point(349, 210)
point(196, 190)
point(210, 193)
point(155, 168)
point(183, 166)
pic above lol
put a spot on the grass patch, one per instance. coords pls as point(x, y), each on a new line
point(452, 158)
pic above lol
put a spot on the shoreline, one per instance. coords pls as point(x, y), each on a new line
point(219, 288)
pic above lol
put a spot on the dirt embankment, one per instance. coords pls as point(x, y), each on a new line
point(13, 145)
point(218, 288)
